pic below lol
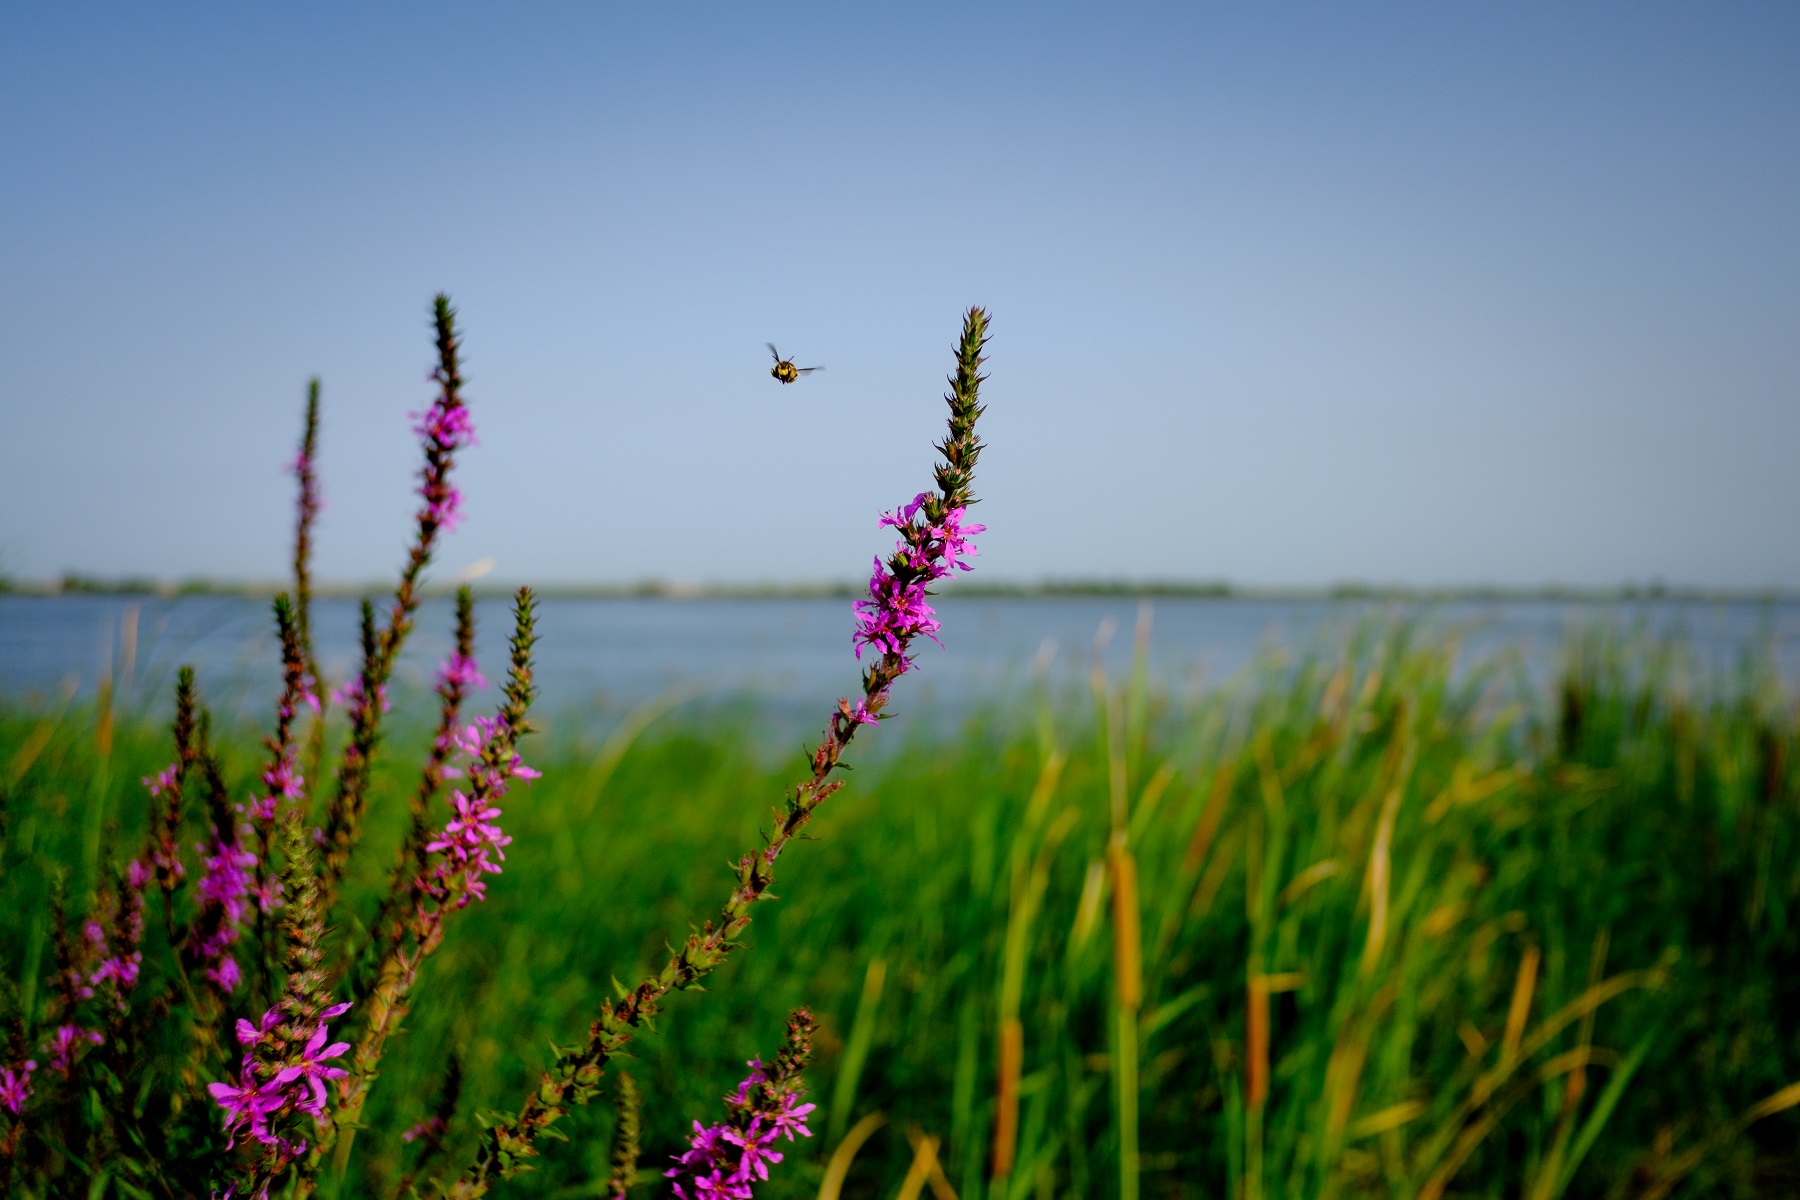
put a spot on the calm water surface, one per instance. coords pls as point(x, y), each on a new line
point(795, 654)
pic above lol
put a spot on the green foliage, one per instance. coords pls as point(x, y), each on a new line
point(1404, 930)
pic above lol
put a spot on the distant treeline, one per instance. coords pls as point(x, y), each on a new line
point(660, 589)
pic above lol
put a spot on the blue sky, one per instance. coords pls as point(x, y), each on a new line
point(1282, 294)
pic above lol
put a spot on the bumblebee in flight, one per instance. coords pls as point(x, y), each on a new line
point(784, 368)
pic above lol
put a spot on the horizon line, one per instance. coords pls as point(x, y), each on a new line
point(73, 583)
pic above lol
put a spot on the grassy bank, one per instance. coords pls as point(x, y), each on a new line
point(1352, 926)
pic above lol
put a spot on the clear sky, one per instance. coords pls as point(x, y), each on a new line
point(1282, 294)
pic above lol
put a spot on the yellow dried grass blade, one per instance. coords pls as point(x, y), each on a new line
point(924, 1162)
point(1487, 1084)
point(845, 1154)
point(1473, 1135)
point(1679, 1169)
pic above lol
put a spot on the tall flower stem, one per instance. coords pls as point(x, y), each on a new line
point(626, 1138)
point(281, 1094)
point(443, 429)
point(224, 884)
point(432, 893)
point(162, 849)
point(307, 508)
point(455, 679)
point(889, 622)
point(282, 781)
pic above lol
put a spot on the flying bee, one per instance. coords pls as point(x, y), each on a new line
point(784, 368)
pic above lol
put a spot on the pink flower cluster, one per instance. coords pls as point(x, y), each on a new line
point(165, 858)
point(161, 782)
point(349, 694)
point(897, 609)
point(105, 962)
point(120, 964)
point(725, 1161)
point(289, 1077)
point(15, 1086)
point(430, 1127)
point(65, 1041)
point(445, 428)
point(224, 893)
point(470, 844)
point(284, 782)
point(461, 671)
point(282, 778)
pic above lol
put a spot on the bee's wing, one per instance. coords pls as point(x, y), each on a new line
point(807, 370)
point(773, 350)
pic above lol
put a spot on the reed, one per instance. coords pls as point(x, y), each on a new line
point(1560, 908)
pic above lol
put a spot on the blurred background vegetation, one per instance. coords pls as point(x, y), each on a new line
point(1362, 922)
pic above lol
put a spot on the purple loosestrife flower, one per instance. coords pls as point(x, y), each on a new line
point(226, 974)
point(473, 740)
point(75, 958)
point(308, 1068)
point(897, 609)
point(122, 970)
point(469, 838)
point(223, 880)
point(349, 694)
point(953, 537)
point(251, 1035)
point(790, 1118)
point(228, 868)
point(702, 1146)
point(160, 783)
point(754, 1155)
point(756, 1077)
point(165, 857)
point(461, 671)
point(430, 1127)
point(15, 1086)
point(284, 783)
point(224, 893)
point(120, 960)
point(64, 1044)
point(895, 613)
point(445, 428)
point(465, 844)
point(281, 1074)
point(725, 1161)
point(246, 1105)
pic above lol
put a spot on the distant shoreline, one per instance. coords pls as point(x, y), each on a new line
point(655, 589)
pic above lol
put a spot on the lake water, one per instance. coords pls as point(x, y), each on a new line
point(793, 655)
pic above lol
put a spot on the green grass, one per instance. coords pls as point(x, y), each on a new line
point(1403, 931)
